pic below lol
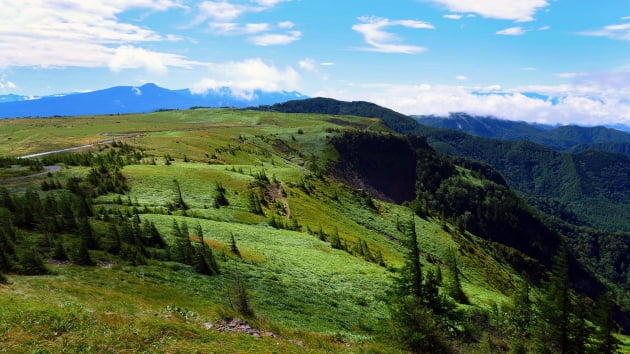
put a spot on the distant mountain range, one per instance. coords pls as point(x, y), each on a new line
point(131, 99)
point(569, 138)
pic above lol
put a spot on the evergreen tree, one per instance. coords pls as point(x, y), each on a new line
point(553, 320)
point(414, 302)
point(521, 315)
point(233, 248)
point(220, 199)
point(3, 279)
point(183, 251)
point(455, 286)
point(180, 199)
point(29, 262)
point(604, 339)
point(82, 257)
point(59, 252)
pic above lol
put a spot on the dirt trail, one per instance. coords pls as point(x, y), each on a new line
point(47, 169)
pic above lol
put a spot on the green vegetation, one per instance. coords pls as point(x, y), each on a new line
point(303, 226)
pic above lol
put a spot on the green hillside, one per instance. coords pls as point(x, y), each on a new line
point(298, 224)
point(563, 138)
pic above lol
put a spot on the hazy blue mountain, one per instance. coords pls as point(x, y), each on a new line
point(13, 98)
point(130, 99)
point(561, 138)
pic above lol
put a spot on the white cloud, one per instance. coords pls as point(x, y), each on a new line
point(579, 103)
point(286, 25)
point(453, 16)
point(6, 84)
point(244, 77)
point(221, 10)
point(129, 57)
point(620, 32)
point(276, 39)
point(521, 10)
point(308, 64)
point(311, 65)
point(461, 78)
point(512, 31)
point(225, 11)
point(74, 32)
point(529, 69)
point(372, 29)
point(544, 28)
point(231, 28)
point(569, 75)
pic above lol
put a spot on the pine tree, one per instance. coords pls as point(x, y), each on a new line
point(29, 262)
point(59, 252)
point(521, 312)
point(455, 286)
point(414, 302)
point(604, 339)
point(82, 256)
point(233, 248)
point(220, 198)
point(552, 332)
point(180, 199)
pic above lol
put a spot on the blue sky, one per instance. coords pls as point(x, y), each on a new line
point(551, 61)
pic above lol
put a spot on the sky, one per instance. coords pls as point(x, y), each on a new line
point(546, 61)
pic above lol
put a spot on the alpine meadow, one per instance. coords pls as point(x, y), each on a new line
point(315, 176)
point(224, 230)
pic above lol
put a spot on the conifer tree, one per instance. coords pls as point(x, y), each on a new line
point(220, 199)
point(604, 339)
point(521, 315)
point(455, 286)
point(552, 331)
point(29, 262)
point(59, 252)
point(82, 256)
point(415, 324)
point(233, 248)
point(180, 199)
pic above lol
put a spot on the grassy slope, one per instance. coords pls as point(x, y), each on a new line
point(300, 287)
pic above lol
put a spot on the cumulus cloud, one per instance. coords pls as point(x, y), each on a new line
point(372, 29)
point(73, 32)
point(520, 11)
point(512, 31)
point(461, 78)
point(129, 57)
point(244, 77)
point(619, 32)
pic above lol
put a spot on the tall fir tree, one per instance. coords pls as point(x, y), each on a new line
point(553, 320)
point(604, 341)
point(455, 285)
